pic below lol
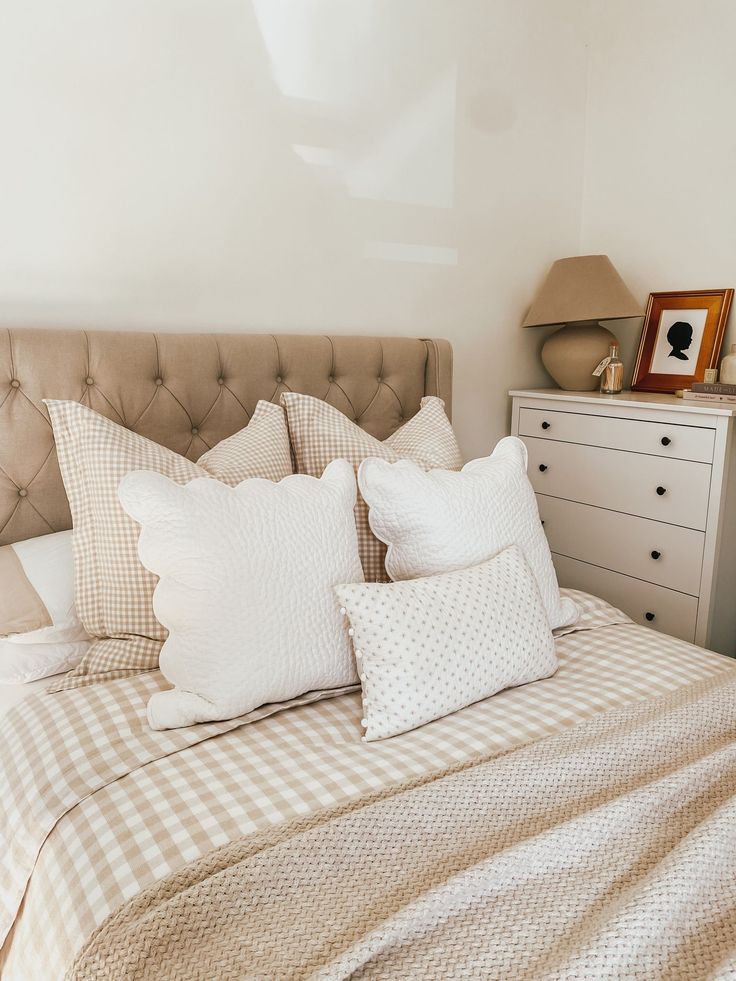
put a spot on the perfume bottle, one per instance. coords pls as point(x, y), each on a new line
point(612, 379)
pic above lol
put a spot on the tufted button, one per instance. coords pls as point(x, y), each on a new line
point(22, 492)
point(159, 381)
point(379, 379)
point(90, 381)
point(220, 381)
point(195, 431)
point(15, 383)
point(279, 379)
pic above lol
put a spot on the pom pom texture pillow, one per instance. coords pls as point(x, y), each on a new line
point(113, 590)
point(246, 588)
point(442, 521)
point(320, 433)
point(428, 647)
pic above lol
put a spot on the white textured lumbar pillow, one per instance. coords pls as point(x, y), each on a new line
point(444, 520)
point(246, 588)
point(431, 646)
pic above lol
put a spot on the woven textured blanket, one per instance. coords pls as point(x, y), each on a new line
point(607, 851)
point(95, 807)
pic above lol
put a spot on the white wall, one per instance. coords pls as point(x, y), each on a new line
point(376, 166)
point(660, 166)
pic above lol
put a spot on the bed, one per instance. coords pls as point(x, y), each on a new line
point(288, 847)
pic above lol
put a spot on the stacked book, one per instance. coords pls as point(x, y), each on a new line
point(711, 392)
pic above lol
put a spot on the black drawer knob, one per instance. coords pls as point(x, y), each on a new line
point(665, 441)
point(661, 490)
point(656, 555)
point(545, 425)
point(542, 467)
point(649, 616)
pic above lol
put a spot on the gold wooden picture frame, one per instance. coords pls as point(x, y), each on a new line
point(681, 337)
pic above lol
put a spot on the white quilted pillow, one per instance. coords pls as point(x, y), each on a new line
point(319, 433)
point(428, 647)
point(443, 520)
point(246, 588)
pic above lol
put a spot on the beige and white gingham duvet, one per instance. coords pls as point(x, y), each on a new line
point(123, 806)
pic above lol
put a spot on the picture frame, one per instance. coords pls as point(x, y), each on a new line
point(681, 337)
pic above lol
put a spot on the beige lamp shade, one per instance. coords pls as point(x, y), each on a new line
point(578, 292)
point(583, 287)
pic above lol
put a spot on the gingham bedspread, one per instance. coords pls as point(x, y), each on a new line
point(96, 806)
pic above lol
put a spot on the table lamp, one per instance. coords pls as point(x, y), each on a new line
point(578, 292)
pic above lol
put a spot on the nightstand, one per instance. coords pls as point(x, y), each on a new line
point(637, 494)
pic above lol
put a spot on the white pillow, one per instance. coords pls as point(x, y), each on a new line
point(319, 433)
point(37, 591)
point(443, 520)
point(23, 663)
point(246, 588)
point(428, 647)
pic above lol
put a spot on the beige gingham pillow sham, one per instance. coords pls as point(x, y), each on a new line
point(114, 593)
point(320, 433)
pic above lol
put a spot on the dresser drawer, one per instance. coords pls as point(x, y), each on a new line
point(671, 612)
point(675, 491)
point(656, 438)
point(667, 555)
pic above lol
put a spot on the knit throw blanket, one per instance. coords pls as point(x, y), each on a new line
point(608, 851)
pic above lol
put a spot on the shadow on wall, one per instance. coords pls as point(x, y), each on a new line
point(406, 157)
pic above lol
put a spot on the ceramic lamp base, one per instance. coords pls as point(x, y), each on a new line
point(728, 368)
point(573, 351)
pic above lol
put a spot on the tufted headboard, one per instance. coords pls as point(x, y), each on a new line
point(187, 391)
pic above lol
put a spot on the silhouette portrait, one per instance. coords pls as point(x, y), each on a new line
point(680, 337)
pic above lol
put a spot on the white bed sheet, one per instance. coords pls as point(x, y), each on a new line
point(10, 695)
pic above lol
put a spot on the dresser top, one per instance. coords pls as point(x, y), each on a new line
point(627, 398)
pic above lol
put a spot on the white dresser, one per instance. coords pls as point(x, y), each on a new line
point(637, 494)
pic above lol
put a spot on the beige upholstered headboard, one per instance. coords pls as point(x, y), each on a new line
point(187, 391)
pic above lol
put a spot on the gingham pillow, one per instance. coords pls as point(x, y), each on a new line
point(114, 593)
point(320, 433)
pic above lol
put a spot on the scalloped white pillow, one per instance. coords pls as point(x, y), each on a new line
point(428, 647)
point(246, 588)
point(443, 520)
